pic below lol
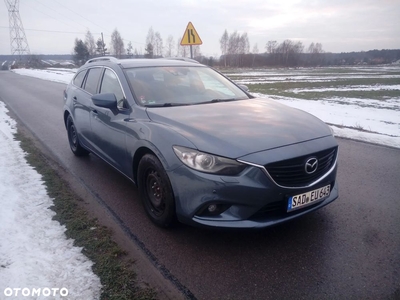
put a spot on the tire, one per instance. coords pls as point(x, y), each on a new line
point(156, 191)
point(73, 140)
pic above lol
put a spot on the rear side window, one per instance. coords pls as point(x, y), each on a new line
point(92, 80)
point(78, 80)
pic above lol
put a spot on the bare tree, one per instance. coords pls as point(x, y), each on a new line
point(150, 38)
point(182, 51)
point(315, 48)
point(170, 46)
point(90, 44)
point(283, 51)
point(315, 51)
point(244, 44)
point(255, 49)
point(271, 46)
point(117, 44)
point(224, 45)
point(255, 52)
point(233, 43)
point(297, 50)
point(158, 44)
point(289, 52)
point(196, 51)
point(129, 49)
point(238, 47)
point(244, 48)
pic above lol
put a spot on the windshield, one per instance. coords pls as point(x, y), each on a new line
point(169, 86)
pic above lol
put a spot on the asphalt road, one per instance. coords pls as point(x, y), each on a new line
point(350, 249)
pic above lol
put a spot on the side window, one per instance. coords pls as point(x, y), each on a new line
point(110, 84)
point(216, 85)
point(92, 80)
point(78, 79)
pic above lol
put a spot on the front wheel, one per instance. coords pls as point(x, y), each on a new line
point(73, 140)
point(156, 191)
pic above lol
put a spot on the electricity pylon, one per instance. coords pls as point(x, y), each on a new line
point(18, 41)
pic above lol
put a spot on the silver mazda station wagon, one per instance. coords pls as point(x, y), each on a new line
point(200, 148)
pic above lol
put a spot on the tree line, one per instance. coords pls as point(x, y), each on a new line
point(235, 51)
point(154, 47)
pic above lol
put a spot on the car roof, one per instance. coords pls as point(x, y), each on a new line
point(142, 62)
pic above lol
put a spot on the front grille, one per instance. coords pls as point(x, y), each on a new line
point(291, 172)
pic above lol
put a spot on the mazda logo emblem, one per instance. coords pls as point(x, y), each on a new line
point(311, 165)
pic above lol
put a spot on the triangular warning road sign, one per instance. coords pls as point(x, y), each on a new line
point(190, 37)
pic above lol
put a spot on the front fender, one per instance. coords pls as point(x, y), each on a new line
point(157, 138)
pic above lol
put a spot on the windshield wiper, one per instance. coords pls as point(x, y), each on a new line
point(223, 100)
point(165, 104)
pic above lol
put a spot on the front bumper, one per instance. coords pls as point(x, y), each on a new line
point(251, 199)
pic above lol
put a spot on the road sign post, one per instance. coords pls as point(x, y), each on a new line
point(190, 38)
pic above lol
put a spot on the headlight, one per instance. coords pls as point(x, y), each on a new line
point(208, 163)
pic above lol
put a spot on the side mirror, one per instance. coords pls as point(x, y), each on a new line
point(107, 100)
point(243, 87)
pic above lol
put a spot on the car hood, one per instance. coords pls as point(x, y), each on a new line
point(237, 128)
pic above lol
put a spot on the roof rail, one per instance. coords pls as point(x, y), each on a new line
point(102, 58)
point(181, 58)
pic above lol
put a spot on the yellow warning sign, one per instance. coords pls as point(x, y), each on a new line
point(190, 37)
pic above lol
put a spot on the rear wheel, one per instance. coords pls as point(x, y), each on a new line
point(73, 139)
point(156, 191)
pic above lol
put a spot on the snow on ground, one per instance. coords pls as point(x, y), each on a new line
point(297, 78)
point(360, 119)
point(377, 87)
point(34, 252)
point(62, 76)
point(35, 255)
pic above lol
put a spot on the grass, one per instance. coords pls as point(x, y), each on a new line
point(381, 95)
point(283, 82)
point(110, 262)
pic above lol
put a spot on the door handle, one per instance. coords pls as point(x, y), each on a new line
point(95, 114)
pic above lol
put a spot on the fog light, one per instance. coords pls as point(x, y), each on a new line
point(212, 208)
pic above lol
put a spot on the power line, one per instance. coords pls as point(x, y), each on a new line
point(50, 16)
point(70, 32)
point(54, 31)
point(109, 35)
point(80, 15)
point(74, 22)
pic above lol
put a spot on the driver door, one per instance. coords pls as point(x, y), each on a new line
point(108, 125)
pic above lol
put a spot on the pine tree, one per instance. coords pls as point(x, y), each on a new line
point(81, 53)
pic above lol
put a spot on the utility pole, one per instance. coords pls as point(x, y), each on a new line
point(102, 44)
point(18, 41)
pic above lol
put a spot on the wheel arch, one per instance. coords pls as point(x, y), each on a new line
point(140, 152)
point(66, 115)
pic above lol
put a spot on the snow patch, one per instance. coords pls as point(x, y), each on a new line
point(34, 251)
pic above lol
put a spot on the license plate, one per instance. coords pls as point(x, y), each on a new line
point(311, 197)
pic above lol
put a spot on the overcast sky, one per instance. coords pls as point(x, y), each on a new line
point(51, 26)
